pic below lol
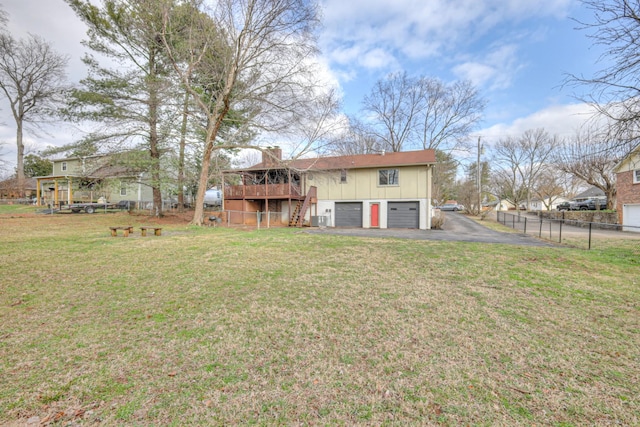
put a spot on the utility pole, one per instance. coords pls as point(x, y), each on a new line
point(479, 179)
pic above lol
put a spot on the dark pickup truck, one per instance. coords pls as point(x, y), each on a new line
point(567, 206)
point(592, 205)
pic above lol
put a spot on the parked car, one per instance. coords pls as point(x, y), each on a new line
point(592, 205)
point(450, 207)
point(567, 206)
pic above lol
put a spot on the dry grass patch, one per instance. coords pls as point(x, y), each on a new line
point(217, 326)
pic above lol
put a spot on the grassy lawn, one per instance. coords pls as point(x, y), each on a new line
point(212, 326)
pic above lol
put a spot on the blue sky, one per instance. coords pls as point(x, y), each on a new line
point(516, 52)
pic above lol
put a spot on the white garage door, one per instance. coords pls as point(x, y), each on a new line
point(631, 218)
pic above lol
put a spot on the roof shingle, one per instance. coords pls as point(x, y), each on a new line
point(403, 158)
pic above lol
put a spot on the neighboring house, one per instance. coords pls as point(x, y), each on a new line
point(628, 190)
point(387, 190)
point(9, 188)
point(546, 204)
point(501, 205)
point(591, 193)
point(86, 179)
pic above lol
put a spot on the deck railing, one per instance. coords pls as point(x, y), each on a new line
point(266, 190)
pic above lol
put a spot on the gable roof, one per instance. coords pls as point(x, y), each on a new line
point(29, 183)
point(630, 162)
point(358, 161)
point(101, 166)
point(591, 192)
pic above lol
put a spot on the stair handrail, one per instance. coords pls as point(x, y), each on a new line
point(313, 191)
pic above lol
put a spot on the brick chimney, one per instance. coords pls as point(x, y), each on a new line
point(271, 156)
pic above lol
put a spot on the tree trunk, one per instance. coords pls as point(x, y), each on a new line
point(220, 111)
point(20, 159)
point(183, 139)
point(153, 136)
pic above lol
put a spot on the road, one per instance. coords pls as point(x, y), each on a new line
point(457, 227)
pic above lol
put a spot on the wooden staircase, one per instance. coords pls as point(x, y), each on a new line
point(299, 211)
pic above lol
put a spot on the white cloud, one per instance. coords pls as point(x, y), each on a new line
point(377, 58)
point(54, 21)
point(419, 29)
point(560, 120)
point(494, 70)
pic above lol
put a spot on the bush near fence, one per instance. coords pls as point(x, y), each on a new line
point(599, 219)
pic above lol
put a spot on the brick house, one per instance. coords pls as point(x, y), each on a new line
point(628, 191)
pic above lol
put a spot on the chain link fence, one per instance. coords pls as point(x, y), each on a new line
point(233, 218)
point(581, 234)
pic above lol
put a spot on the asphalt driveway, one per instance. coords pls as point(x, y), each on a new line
point(457, 227)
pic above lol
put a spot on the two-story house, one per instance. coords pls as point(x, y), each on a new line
point(86, 179)
point(386, 190)
point(628, 191)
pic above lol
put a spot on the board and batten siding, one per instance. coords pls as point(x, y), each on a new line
point(74, 167)
point(362, 184)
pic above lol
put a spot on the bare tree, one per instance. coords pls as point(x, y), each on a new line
point(548, 187)
point(319, 127)
point(32, 77)
point(524, 159)
point(355, 138)
point(394, 103)
point(423, 112)
point(506, 180)
point(615, 90)
point(4, 165)
point(449, 113)
point(591, 156)
point(258, 61)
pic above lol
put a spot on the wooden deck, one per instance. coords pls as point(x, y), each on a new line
point(267, 191)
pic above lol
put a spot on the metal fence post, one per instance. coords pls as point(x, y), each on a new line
point(590, 235)
point(525, 225)
point(560, 238)
point(540, 232)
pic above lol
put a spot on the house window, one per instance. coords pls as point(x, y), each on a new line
point(123, 190)
point(636, 176)
point(64, 166)
point(388, 177)
point(343, 176)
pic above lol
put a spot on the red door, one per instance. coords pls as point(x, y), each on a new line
point(375, 209)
